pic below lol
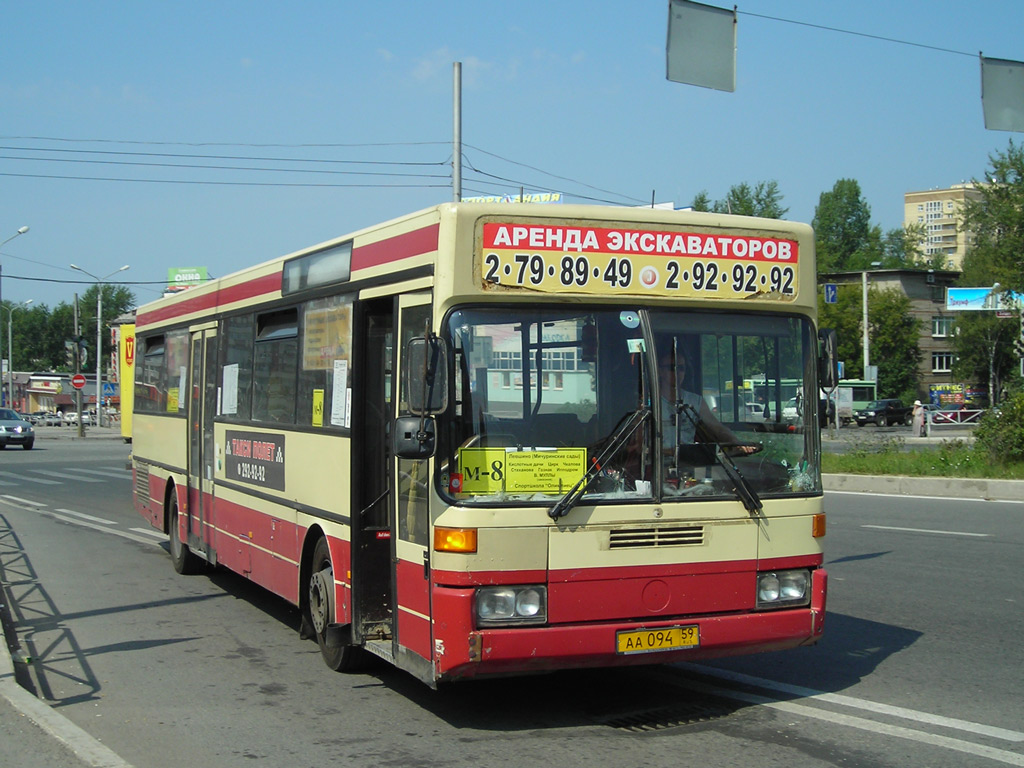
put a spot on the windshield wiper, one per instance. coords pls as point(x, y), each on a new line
point(743, 489)
point(619, 438)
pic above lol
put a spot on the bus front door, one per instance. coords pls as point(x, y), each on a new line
point(390, 582)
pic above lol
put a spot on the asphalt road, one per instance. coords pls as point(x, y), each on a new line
point(916, 667)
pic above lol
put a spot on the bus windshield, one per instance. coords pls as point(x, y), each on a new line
point(541, 396)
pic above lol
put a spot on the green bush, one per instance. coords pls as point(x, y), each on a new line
point(1001, 433)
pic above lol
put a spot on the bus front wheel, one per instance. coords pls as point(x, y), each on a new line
point(320, 611)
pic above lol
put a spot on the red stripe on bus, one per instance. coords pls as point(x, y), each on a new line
point(207, 302)
point(414, 243)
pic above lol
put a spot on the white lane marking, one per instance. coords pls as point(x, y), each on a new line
point(64, 476)
point(150, 532)
point(926, 530)
point(17, 499)
point(117, 474)
point(85, 516)
point(861, 723)
point(854, 703)
point(26, 478)
point(122, 534)
point(923, 498)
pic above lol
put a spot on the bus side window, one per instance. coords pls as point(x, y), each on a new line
point(276, 363)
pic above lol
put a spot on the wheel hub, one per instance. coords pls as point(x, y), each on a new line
point(321, 594)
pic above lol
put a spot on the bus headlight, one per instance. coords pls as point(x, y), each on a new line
point(498, 606)
point(783, 589)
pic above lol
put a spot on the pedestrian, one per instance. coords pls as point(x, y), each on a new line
point(918, 419)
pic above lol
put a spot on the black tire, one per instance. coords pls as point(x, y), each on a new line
point(882, 422)
point(28, 446)
point(182, 558)
point(320, 611)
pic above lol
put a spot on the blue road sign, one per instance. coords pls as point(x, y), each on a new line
point(831, 293)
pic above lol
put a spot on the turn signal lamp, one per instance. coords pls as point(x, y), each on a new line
point(455, 539)
point(818, 525)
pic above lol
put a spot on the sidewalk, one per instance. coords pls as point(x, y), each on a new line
point(34, 735)
point(112, 432)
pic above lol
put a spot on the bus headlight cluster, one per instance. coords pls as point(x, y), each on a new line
point(778, 589)
point(498, 606)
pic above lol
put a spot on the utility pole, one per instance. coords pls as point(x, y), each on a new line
point(78, 369)
point(457, 132)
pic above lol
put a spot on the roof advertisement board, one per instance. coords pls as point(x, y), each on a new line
point(982, 299)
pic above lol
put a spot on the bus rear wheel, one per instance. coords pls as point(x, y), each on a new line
point(320, 611)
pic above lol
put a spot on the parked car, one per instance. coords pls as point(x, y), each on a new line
point(792, 411)
point(71, 418)
point(44, 419)
point(14, 430)
point(944, 414)
point(884, 412)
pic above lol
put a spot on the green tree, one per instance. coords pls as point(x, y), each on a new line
point(844, 317)
point(983, 342)
point(842, 226)
point(116, 301)
point(983, 345)
point(893, 334)
point(762, 199)
point(996, 221)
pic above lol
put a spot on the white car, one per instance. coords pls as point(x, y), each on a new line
point(791, 411)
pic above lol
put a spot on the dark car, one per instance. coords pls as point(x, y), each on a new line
point(883, 413)
point(946, 414)
point(14, 430)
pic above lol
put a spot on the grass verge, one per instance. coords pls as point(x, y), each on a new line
point(954, 458)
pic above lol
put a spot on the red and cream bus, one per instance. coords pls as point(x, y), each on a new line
point(447, 441)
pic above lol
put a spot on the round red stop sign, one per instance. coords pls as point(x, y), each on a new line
point(78, 381)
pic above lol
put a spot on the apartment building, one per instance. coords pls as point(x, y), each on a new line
point(939, 211)
point(927, 293)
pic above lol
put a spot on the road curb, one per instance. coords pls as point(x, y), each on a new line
point(947, 487)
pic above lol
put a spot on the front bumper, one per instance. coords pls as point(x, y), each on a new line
point(469, 652)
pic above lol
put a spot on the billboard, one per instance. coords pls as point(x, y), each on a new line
point(982, 299)
point(180, 278)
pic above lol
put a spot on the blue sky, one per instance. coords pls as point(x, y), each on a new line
point(568, 96)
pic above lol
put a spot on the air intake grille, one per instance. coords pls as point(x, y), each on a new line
point(666, 536)
point(142, 482)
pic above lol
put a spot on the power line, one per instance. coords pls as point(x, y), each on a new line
point(857, 34)
point(191, 166)
point(228, 144)
point(220, 157)
point(221, 183)
point(491, 178)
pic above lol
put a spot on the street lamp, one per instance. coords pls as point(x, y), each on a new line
point(21, 231)
point(10, 348)
point(99, 324)
point(864, 290)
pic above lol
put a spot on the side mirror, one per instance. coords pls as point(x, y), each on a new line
point(426, 374)
point(828, 359)
point(413, 437)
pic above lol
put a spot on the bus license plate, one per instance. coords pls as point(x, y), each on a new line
point(654, 640)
